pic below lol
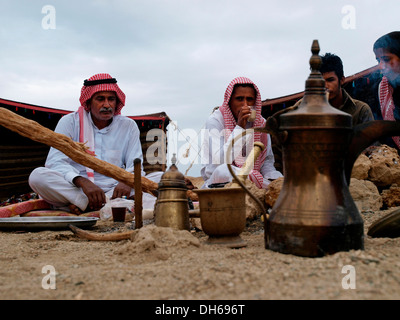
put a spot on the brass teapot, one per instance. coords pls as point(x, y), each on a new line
point(171, 208)
point(315, 214)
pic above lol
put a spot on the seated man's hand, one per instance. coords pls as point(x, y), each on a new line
point(243, 116)
point(95, 194)
point(121, 190)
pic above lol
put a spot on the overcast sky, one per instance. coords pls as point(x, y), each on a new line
point(179, 56)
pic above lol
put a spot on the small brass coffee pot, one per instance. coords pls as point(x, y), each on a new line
point(172, 208)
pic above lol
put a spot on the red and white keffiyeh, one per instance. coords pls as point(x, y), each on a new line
point(230, 123)
point(387, 104)
point(104, 83)
point(96, 83)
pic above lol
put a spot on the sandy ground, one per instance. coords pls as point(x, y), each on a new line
point(161, 263)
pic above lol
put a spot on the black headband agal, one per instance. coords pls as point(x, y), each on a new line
point(87, 83)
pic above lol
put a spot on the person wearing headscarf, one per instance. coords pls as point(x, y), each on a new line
point(242, 102)
point(68, 185)
point(387, 53)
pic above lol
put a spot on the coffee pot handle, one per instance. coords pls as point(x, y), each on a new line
point(258, 147)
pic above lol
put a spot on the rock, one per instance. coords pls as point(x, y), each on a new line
point(253, 210)
point(365, 195)
point(361, 168)
point(391, 196)
point(273, 190)
point(385, 168)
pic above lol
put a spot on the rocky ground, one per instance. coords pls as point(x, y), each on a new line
point(166, 264)
point(162, 263)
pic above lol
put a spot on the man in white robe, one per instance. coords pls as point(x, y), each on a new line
point(242, 102)
point(111, 137)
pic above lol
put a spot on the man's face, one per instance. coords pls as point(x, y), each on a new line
point(332, 84)
point(241, 96)
point(102, 106)
point(389, 64)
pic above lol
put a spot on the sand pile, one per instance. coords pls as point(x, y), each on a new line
point(158, 243)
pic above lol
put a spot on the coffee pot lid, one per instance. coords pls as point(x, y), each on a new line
point(172, 177)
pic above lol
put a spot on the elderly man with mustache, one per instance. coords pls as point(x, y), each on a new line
point(111, 137)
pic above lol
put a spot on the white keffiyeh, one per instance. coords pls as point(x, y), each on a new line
point(230, 123)
point(86, 136)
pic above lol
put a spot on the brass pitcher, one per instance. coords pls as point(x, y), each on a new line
point(172, 208)
point(223, 215)
point(223, 210)
point(315, 214)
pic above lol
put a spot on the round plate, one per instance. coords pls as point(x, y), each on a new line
point(47, 223)
point(388, 226)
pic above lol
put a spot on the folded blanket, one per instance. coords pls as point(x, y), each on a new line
point(16, 209)
point(59, 213)
point(38, 207)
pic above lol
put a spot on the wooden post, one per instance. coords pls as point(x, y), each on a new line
point(164, 148)
point(138, 194)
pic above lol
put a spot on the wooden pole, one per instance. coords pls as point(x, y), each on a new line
point(75, 150)
point(138, 194)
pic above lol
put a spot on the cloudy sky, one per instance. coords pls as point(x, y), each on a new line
point(178, 56)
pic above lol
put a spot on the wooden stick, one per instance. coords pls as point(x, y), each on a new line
point(115, 236)
point(75, 150)
point(138, 195)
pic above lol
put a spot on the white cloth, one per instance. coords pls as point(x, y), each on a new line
point(42, 180)
point(86, 136)
point(214, 169)
point(118, 143)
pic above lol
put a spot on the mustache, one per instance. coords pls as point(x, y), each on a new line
point(105, 109)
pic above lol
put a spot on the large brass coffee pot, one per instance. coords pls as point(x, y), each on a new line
point(315, 214)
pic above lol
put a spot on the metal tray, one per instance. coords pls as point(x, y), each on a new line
point(46, 223)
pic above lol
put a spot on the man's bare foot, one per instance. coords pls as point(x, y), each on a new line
point(74, 209)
